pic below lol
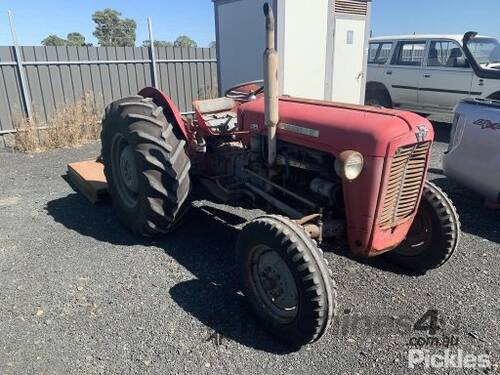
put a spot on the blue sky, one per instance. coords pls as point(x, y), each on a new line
point(36, 19)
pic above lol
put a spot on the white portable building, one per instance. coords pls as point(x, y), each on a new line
point(322, 45)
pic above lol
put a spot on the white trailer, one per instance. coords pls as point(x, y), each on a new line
point(322, 46)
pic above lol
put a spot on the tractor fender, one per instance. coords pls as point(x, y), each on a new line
point(170, 110)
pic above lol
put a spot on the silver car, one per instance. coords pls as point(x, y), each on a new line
point(473, 156)
point(430, 74)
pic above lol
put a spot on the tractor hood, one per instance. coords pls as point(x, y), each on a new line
point(336, 127)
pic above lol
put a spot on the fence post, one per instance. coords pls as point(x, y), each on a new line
point(153, 53)
point(20, 68)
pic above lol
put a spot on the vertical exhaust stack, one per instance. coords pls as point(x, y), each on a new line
point(270, 85)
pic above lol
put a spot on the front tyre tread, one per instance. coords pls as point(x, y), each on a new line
point(446, 233)
point(317, 289)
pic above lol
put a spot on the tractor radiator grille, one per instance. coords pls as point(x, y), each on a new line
point(359, 7)
point(406, 177)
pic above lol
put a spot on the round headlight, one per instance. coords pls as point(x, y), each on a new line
point(349, 165)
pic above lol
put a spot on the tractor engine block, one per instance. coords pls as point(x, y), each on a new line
point(225, 158)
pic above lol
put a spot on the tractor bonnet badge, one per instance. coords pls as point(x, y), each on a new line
point(299, 130)
point(421, 133)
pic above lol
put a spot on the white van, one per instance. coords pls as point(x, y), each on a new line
point(431, 74)
point(473, 156)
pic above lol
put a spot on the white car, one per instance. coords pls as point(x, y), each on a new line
point(473, 156)
point(430, 74)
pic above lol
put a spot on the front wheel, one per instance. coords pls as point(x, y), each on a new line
point(433, 236)
point(286, 279)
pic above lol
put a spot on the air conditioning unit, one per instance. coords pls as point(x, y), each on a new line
point(322, 44)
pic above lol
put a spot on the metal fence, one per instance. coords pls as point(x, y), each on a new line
point(55, 76)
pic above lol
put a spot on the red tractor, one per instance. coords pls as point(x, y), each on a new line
point(343, 174)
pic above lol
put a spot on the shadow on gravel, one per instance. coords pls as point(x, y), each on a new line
point(214, 298)
point(379, 262)
point(224, 312)
point(474, 217)
point(97, 221)
point(441, 132)
point(436, 171)
point(204, 245)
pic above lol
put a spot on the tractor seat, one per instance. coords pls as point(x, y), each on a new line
point(219, 114)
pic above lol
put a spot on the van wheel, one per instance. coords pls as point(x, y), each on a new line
point(378, 98)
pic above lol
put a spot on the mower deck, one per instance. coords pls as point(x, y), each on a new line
point(88, 177)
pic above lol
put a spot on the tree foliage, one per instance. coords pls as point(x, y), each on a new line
point(212, 44)
point(54, 40)
point(185, 41)
point(72, 39)
point(158, 43)
point(113, 31)
point(181, 41)
point(75, 39)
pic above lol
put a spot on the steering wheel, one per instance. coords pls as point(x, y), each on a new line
point(246, 91)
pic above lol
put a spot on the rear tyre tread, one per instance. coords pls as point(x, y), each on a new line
point(164, 180)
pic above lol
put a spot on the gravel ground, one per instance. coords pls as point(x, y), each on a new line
point(80, 295)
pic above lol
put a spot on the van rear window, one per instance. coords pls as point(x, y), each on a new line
point(378, 53)
point(409, 53)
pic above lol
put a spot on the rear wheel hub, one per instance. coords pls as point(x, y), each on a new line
point(128, 169)
point(124, 169)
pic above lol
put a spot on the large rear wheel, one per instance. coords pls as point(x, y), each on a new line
point(286, 279)
point(145, 164)
point(433, 236)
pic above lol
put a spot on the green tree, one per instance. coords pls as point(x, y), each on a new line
point(185, 41)
point(54, 40)
point(158, 43)
point(75, 39)
point(113, 31)
point(72, 39)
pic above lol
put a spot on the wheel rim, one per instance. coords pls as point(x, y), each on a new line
point(274, 284)
point(419, 237)
point(124, 170)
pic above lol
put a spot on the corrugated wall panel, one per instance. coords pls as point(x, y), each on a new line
point(11, 100)
point(181, 98)
point(208, 71)
point(187, 80)
point(33, 83)
point(85, 74)
point(95, 76)
point(130, 71)
point(193, 74)
point(200, 74)
point(57, 83)
point(47, 96)
point(76, 73)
